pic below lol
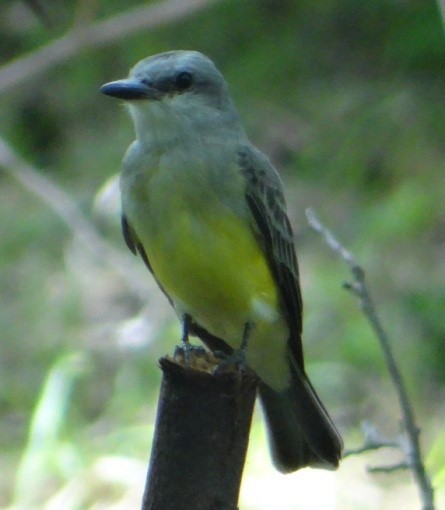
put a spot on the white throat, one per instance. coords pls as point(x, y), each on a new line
point(177, 120)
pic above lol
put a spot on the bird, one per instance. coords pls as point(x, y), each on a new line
point(205, 210)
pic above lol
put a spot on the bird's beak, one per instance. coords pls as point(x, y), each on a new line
point(130, 90)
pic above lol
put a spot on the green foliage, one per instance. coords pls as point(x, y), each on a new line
point(346, 97)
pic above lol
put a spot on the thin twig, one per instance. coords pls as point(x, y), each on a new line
point(101, 33)
point(388, 469)
point(369, 447)
point(68, 211)
point(373, 441)
point(360, 289)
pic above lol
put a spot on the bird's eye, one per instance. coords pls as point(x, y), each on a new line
point(183, 80)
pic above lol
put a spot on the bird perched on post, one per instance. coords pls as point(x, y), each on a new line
point(205, 210)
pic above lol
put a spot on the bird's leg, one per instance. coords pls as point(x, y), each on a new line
point(248, 327)
point(185, 329)
point(238, 356)
point(186, 350)
point(185, 346)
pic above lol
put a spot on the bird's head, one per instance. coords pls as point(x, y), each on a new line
point(175, 91)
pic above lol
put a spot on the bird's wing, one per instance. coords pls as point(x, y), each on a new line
point(264, 195)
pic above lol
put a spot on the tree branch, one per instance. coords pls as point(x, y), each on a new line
point(97, 34)
point(359, 288)
point(389, 469)
point(68, 211)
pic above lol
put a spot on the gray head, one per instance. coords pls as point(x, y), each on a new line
point(181, 90)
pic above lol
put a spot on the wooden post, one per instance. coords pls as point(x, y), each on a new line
point(201, 435)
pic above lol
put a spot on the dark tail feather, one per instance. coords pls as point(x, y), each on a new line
point(300, 430)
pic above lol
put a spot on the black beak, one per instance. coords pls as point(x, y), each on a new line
point(130, 90)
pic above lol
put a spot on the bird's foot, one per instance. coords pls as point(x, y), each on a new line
point(186, 353)
point(238, 357)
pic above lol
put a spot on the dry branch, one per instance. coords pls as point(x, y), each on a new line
point(101, 33)
point(68, 211)
point(411, 446)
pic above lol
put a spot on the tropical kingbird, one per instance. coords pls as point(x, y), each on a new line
point(205, 210)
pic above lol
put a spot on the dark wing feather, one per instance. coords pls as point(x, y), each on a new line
point(264, 194)
point(128, 235)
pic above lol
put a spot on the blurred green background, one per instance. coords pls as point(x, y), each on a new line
point(347, 99)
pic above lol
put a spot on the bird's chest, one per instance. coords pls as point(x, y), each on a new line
point(168, 203)
point(195, 228)
point(183, 211)
point(176, 197)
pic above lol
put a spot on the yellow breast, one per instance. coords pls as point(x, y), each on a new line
point(203, 251)
point(212, 265)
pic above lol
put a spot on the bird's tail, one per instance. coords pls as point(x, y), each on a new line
point(300, 431)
